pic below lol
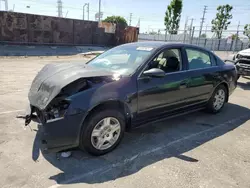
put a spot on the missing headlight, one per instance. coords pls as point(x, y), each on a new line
point(57, 109)
point(239, 56)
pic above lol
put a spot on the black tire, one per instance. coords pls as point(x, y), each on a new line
point(89, 125)
point(210, 106)
point(238, 76)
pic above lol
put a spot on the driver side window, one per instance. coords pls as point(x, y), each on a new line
point(168, 60)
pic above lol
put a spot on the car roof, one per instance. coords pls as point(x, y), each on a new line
point(162, 44)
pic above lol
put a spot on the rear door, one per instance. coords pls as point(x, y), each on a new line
point(202, 71)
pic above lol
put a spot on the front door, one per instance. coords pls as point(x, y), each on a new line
point(157, 96)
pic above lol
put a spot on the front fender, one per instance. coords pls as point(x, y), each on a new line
point(85, 102)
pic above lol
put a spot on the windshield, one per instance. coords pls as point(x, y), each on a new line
point(122, 59)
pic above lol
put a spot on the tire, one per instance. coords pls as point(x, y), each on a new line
point(90, 143)
point(238, 76)
point(211, 106)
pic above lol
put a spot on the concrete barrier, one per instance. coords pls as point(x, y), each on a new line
point(27, 50)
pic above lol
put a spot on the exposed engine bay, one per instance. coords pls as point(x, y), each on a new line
point(58, 106)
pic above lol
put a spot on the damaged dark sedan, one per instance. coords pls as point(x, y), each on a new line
point(91, 105)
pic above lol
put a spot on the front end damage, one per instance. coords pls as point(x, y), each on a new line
point(242, 63)
point(51, 106)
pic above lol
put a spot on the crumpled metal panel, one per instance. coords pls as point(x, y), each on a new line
point(13, 27)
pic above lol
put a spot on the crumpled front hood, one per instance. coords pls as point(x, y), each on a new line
point(53, 77)
point(245, 52)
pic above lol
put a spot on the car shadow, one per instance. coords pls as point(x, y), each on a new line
point(146, 145)
point(244, 85)
point(246, 77)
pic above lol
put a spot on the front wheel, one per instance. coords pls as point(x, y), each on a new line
point(238, 76)
point(218, 99)
point(102, 132)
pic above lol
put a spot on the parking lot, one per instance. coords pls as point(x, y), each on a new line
point(196, 150)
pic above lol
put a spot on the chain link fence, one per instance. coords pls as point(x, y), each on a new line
point(231, 40)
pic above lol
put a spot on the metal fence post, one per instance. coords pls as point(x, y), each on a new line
point(184, 40)
point(165, 34)
point(234, 44)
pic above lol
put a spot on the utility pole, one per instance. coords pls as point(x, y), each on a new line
point(88, 10)
point(66, 14)
point(59, 8)
point(190, 30)
point(83, 10)
point(192, 35)
point(99, 16)
point(5, 4)
point(185, 27)
point(206, 31)
point(130, 19)
point(138, 23)
point(202, 19)
point(237, 35)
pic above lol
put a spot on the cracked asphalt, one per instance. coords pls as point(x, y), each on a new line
point(195, 150)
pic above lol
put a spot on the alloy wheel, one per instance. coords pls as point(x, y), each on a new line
point(105, 133)
point(219, 99)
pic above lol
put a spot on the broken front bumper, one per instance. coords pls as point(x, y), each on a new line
point(243, 67)
point(57, 134)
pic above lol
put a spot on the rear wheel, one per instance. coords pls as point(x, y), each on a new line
point(218, 99)
point(102, 132)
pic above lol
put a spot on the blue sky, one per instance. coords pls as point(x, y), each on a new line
point(151, 13)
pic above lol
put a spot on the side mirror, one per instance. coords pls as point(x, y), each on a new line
point(155, 72)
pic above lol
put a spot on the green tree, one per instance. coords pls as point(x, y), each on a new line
point(235, 36)
point(173, 16)
point(116, 19)
point(203, 35)
point(247, 30)
point(222, 19)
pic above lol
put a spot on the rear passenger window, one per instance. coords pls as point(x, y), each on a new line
point(198, 59)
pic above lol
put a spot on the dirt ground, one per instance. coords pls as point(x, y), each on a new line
point(196, 150)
